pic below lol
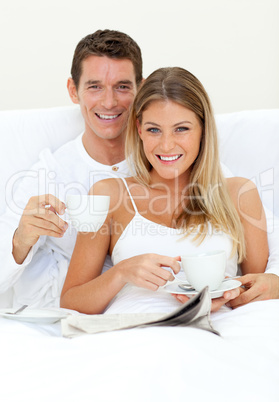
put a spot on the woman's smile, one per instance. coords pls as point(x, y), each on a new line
point(169, 159)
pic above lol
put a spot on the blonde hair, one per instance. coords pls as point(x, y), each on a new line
point(208, 197)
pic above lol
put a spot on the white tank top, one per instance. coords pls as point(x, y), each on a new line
point(143, 236)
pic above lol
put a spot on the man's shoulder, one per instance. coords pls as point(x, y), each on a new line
point(64, 155)
point(71, 146)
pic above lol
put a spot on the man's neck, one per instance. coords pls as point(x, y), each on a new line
point(107, 152)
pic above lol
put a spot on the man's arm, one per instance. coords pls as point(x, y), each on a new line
point(256, 287)
point(263, 286)
point(273, 242)
point(17, 251)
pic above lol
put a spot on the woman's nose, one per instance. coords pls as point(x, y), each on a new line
point(167, 143)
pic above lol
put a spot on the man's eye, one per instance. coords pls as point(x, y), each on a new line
point(124, 87)
point(94, 87)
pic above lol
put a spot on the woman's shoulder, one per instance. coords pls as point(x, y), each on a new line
point(102, 187)
point(239, 185)
point(243, 192)
point(113, 187)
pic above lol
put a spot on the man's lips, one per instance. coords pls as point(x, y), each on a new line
point(107, 116)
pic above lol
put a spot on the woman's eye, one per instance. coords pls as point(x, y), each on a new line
point(153, 130)
point(182, 129)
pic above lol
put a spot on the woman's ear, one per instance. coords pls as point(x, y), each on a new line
point(72, 90)
point(138, 127)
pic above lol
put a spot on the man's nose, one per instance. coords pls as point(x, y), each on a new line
point(109, 99)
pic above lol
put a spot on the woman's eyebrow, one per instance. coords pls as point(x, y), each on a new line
point(183, 122)
point(152, 123)
point(176, 124)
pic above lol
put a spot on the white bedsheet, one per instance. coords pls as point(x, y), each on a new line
point(151, 364)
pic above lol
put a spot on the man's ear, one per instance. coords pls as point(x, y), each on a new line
point(142, 81)
point(72, 90)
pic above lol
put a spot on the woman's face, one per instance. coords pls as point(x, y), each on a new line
point(171, 136)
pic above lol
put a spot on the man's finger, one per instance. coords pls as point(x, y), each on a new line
point(47, 201)
point(245, 297)
point(247, 280)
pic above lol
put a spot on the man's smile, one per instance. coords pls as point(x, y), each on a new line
point(107, 116)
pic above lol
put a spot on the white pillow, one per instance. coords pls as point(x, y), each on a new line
point(24, 133)
point(249, 147)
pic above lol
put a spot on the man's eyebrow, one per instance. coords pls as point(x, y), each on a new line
point(92, 82)
point(125, 82)
point(95, 82)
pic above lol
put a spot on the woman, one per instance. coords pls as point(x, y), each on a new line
point(177, 202)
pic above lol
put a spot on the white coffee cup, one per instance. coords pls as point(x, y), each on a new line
point(205, 269)
point(87, 213)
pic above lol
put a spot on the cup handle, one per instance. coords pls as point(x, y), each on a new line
point(181, 281)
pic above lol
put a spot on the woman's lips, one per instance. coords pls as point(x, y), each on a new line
point(169, 158)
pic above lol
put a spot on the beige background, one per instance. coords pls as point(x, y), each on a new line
point(230, 45)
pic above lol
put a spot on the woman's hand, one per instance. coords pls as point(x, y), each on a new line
point(217, 303)
point(148, 270)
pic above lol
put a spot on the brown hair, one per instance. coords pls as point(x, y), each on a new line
point(113, 44)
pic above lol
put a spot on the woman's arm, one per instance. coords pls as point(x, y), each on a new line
point(85, 289)
point(249, 207)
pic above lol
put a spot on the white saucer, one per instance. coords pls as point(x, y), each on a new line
point(38, 316)
point(227, 284)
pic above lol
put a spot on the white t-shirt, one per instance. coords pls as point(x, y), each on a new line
point(39, 280)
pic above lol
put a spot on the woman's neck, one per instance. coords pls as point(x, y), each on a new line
point(175, 185)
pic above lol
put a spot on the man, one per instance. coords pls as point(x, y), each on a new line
point(106, 71)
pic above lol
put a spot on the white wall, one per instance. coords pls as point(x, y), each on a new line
point(230, 45)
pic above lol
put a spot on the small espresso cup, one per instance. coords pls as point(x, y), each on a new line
point(87, 213)
point(205, 269)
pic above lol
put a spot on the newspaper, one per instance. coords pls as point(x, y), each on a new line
point(194, 313)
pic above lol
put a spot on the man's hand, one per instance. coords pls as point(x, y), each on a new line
point(217, 303)
point(257, 287)
point(40, 217)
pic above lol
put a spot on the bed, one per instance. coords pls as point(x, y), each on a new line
point(144, 364)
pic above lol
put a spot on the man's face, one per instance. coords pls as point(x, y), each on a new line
point(106, 91)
